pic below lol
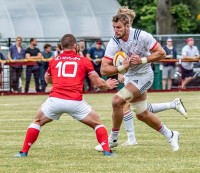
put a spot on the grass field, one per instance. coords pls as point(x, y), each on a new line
point(68, 146)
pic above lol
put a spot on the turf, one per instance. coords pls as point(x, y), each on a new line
point(68, 146)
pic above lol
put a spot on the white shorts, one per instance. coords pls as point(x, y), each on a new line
point(54, 107)
point(142, 81)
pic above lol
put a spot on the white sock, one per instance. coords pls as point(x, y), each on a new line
point(129, 126)
point(159, 107)
point(114, 135)
point(166, 132)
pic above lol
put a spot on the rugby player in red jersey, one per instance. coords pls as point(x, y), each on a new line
point(67, 73)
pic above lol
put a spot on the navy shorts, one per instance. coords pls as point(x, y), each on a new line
point(186, 73)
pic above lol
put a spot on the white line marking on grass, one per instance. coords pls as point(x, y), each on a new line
point(8, 120)
point(5, 131)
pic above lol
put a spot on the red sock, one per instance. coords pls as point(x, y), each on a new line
point(31, 136)
point(102, 137)
point(115, 129)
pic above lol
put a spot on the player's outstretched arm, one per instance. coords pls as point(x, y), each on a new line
point(101, 83)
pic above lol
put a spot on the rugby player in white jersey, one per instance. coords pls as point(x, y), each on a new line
point(176, 104)
point(142, 49)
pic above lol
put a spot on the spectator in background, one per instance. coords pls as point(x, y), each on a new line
point(33, 53)
point(58, 50)
point(82, 49)
point(0, 75)
point(95, 55)
point(1, 58)
point(47, 53)
point(16, 52)
point(190, 52)
point(83, 52)
point(168, 67)
point(1, 55)
point(78, 50)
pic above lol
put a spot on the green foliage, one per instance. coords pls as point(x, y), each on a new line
point(184, 19)
point(185, 13)
point(194, 5)
point(148, 20)
point(145, 13)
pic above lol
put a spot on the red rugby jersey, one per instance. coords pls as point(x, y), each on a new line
point(68, 71)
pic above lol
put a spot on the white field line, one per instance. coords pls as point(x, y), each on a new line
point(6, 131)
point(8, 120)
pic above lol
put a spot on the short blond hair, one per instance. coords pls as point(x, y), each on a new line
point(18, 37)
point(130, 13)
point(122, 18)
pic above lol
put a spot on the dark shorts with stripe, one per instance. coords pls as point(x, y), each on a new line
point(186, 73)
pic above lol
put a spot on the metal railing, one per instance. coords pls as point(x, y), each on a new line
point(6, 78)
point(179, 40)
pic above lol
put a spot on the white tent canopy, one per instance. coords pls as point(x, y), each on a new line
point(54, 18)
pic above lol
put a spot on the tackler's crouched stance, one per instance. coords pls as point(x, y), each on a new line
point(66, 95)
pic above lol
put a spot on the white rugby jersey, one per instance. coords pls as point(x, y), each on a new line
point(191, 52)
point(139, 43)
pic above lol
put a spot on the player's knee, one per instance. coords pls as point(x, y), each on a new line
point(41, 121)
point(94, 124)
point(139, 107)
point(117, 101)
point(125, 94)
point(142, 116)
point(37, 121)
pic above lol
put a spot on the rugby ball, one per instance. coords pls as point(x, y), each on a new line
point(119, 58)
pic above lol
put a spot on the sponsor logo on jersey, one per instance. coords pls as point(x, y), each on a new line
point(67, 58)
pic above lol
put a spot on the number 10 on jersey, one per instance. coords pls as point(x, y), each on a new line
point(62, 66)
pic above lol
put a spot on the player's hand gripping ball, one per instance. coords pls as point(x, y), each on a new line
point(119, 58)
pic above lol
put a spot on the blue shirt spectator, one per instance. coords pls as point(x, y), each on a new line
point(168, 67)
point(47, 53)
point(170, 52)
point(95, 54)
point(15, 54)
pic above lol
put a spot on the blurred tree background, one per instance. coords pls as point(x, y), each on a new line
point(166, 16)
